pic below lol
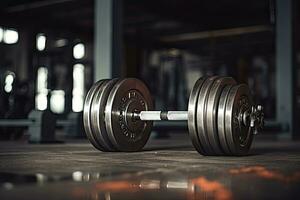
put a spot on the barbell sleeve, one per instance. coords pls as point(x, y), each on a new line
point(162, 115)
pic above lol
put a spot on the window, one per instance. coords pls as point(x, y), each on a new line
point(78, 51)
point(1, 34)
point(42, 91)
point(10, 36)
point(57, 101)
point(8, 82)
point(61, 43)
point(41, 101)
point(78, 88)
point(40, 42)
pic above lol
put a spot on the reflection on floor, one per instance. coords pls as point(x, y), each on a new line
point(166, 169)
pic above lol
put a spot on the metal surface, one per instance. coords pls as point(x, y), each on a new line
point(216, 33)
point(87, 115)
point(149, 115)
point(239, 136)
point(212, 110)
point(157, 115)
point(192, 115)
point(29, 122)
point(201, 114)
point(128, 96)
point(286, 71)
point(107, 38)
point(103, 54)
point(177, 115)
point(16, 122)
point(221, 120)
point(256, 118)
point(97, 114)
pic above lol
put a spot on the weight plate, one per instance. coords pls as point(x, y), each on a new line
point(212, 110)
point(97, 114)
point(126, 97)
point(238, 134)
point(221, 120)
point(192, 110)
point(87, 115)
point(201, 115)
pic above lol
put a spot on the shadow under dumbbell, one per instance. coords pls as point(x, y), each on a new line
point(263, 151)
point(189, 148)
point(172, 148)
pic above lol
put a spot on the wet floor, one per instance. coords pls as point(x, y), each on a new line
point(167, 169)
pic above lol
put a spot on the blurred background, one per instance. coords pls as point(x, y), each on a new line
point(52, 51)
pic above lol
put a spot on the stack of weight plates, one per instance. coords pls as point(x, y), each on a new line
point(108, 120)
point(217, 121)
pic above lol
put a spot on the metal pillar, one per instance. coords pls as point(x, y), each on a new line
point(22, 62)
point(108, 42)
point(284, 65)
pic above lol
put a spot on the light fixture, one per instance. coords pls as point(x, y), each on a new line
point(78, 88)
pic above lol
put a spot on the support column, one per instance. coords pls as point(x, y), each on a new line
point(22, 62)
point(284, 65)
point(107, 39)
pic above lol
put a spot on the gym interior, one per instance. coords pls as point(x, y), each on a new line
point(130, 99)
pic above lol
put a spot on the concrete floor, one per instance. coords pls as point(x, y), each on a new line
point(166, 169)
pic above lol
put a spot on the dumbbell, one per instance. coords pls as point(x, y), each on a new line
point(222, 118)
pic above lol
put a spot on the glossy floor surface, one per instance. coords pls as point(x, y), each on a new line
point(166, 169)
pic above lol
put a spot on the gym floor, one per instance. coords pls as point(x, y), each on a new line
point(75, 170)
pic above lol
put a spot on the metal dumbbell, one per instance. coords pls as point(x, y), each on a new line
point(222, 117)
